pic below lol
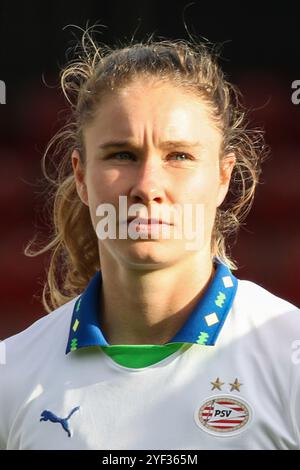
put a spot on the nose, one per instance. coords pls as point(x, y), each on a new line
point(148, 185)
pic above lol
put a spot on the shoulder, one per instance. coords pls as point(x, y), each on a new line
point(266, 334)
point(266, 324)
point(255, 298)
point(24, 359)
point(264, 316)
point(43, 331)
point(29, 349)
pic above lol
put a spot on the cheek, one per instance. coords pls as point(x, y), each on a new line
point(203, 187)
point(103, 186)
point(203, 190)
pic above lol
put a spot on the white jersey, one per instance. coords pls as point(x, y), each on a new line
point(229, 379)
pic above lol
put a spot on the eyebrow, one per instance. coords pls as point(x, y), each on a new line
point(166, 144)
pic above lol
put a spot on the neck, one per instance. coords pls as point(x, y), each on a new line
point(150, 307)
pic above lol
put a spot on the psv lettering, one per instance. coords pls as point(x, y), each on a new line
point(222, 414)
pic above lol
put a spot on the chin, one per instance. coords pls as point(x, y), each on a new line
point(146, 254)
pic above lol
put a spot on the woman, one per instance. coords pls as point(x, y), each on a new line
point(153, 342)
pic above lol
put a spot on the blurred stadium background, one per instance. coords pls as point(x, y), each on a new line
point(261, 55)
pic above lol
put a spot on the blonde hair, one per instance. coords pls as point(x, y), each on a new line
point(97, 69)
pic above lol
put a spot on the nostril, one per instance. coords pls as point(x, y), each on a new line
point(146, 195)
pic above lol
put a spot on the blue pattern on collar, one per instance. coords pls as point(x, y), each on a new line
point(202, 327)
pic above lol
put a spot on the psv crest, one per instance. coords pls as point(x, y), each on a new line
point(223, 415)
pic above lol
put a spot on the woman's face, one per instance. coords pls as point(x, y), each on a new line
point(156, 145)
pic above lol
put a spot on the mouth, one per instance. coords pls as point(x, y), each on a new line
point(144, 222)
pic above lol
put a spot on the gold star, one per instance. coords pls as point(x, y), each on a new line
point(235, 386)
point(217, 384)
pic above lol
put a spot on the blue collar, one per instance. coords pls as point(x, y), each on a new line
point(202, 327)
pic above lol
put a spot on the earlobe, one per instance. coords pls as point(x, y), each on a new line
point(79, 176)
point(226, 167)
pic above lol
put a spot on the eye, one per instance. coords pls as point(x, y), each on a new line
point(122, 156)
point(181, 156)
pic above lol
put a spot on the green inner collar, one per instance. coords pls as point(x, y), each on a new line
point(141, 355)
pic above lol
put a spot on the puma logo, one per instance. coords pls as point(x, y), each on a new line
point(47, 415)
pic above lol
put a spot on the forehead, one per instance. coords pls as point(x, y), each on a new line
point(150, 106)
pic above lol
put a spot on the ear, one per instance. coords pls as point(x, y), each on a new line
point(79, 176)
point(226, 167)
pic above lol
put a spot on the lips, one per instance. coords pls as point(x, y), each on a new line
point(141, 221)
